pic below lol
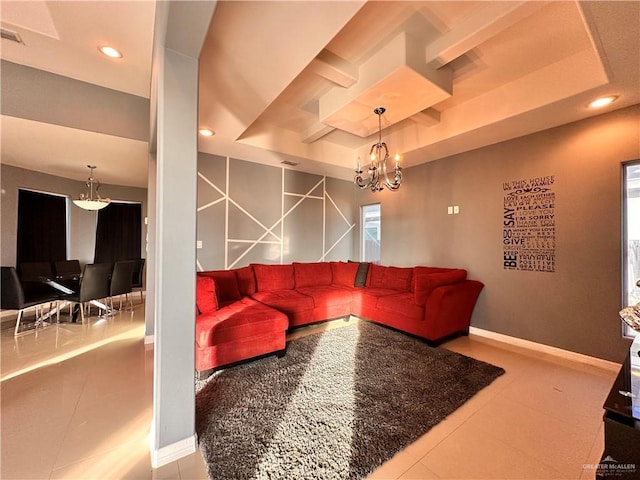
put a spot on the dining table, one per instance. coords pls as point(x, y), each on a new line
point(68, 285)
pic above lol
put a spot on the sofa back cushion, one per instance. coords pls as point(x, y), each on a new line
point(395, 278)
point(312, 274)
point(427, 270)
point(375, 276)
point(273, 277)
point(226, 285)
point(344, 274)
point(246, 281)
point(424, 270)
point(206, 299)
point(425, 283)
point(398, 278)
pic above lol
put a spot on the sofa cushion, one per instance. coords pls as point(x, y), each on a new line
point(311, 274)
point(206, 299)
point(421, 270)
point(287, 301)
point(398, 278)
point(369, 296)
point(375, 277)
point(241, 320)
point(246, 281)
point(273, 277)
point(401, 304)
point(226, 284)
point(361, 274)
point(395, 278)
point(327, 295)
point(344, 273)
point(425, 283)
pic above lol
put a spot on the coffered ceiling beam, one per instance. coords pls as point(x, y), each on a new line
point(254, 50)
point(427, 118)
point(316, 132)
point(395, 77)
point(491, 19)
point(334, 68)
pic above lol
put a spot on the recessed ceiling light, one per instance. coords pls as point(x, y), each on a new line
point(602, 101)
point(205, 132)
point(110, 51)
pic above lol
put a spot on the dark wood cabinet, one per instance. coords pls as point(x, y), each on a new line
point(621, 456)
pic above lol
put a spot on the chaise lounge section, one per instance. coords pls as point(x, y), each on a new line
point(230, 325)
point(245, 313)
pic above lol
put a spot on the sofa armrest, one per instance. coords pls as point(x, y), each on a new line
point(204, 328)
point(449, 308)
point(425, 283)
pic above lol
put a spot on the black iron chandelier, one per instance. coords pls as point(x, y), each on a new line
point(379, 154)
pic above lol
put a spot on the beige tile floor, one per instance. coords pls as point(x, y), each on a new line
point(76, 403)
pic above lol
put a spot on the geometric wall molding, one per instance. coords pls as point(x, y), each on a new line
point(252, 213)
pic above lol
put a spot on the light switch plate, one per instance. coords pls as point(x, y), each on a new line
point(199, 244)
point(449, 210)
point(456, 209)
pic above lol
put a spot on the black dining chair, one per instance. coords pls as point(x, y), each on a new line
point(68, 272)
point(32, 276)
point(13, 297)
point(122, 281)
point(138, 276)
point(94, 285)
point(32, 271)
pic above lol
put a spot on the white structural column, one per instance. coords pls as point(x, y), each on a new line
point(173, 428)
point(150, 288)
point(180, 31)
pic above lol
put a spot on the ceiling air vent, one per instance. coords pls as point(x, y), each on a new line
point(290, 163)
point(9, 35)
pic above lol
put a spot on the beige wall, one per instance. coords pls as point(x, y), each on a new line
point(574, 308)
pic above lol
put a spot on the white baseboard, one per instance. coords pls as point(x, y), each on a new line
point(149, 339)
point(170, 453)
point(539, 347)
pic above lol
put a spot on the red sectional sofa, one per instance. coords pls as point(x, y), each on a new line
point(245, 313)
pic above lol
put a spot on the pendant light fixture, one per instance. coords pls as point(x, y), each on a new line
point(91, 200)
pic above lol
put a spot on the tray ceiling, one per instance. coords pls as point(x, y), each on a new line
point(453, 76)
point(299, 80)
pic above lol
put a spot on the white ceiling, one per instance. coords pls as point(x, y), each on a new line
point(454, 76)
point(63, 151)
point(62, 37)
point(300, 79)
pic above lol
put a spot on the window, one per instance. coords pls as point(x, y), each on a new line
point(42, 227)
point(631, 236)
point(370, 233)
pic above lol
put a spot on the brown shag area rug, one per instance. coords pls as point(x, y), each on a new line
point(337, 406)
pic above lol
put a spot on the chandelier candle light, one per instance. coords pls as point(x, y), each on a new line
point(91, 200)
point(379, 154)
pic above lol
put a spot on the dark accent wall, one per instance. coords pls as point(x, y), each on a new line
point(82, 223)
point(253, 213)
point(574, 308)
